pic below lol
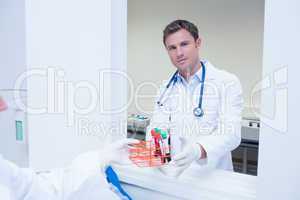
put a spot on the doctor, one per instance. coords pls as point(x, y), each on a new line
point(200, 103)
point(90, 176)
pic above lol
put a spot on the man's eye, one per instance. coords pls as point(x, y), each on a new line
point(184, 43)
point(172, 48)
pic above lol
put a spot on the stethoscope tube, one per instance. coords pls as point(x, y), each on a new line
point(198, 111)
point(173, 79)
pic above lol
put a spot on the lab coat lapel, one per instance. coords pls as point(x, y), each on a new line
point(211, 71)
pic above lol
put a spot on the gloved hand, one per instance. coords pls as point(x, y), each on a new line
point(181, 161)
point(116, 153)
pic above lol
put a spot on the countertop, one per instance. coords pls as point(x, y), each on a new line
point(193, 184)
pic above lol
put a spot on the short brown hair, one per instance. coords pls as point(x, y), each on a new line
point(180, 24)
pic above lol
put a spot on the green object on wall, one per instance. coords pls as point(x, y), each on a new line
point(19, 131)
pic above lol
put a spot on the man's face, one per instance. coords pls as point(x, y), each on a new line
point(183, 50)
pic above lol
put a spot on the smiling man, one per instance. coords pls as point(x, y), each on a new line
point(201, 103)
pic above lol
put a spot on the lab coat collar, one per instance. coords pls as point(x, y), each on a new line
point(197, 76)
point(210, 72)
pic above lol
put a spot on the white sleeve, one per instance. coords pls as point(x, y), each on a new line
point(25, 184)
point(227, 136)
point(81, 180)
point(87, 179)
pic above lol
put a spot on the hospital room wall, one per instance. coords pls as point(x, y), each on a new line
point(12, 64)
point(68, 46)
point(232, 33)
point(68, 55)
point(12, 40)
point(119, 67)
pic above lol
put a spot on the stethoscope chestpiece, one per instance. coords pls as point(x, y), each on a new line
point(159, 104)
point(198, 112)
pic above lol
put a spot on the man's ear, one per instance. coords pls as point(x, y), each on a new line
point(198, 42)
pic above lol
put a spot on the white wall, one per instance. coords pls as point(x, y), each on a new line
point(119, 65)
point(279, 160)
point(10, 148)
point(74, 39)
point(12, 40)
point(12, 64)
point(65, 45)
point(232, 33)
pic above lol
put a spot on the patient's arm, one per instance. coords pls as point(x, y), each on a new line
point(25, 184)
point(81, 180)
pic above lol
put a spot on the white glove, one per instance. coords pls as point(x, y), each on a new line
point(190, 152)
point(116, 153)
point(181, 161)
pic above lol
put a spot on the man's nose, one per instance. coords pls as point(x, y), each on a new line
point(179, 52)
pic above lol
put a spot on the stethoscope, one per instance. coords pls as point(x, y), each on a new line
point(198, 111)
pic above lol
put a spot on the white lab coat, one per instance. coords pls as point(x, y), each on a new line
point(82, 180)
point(218, 131)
